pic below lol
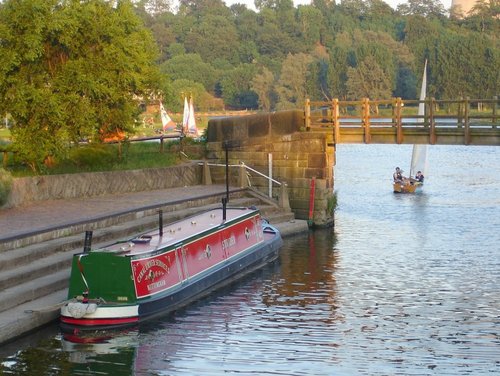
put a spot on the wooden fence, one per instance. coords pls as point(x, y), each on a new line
point(465, 114)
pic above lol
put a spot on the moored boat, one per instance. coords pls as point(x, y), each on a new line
point(158, 271)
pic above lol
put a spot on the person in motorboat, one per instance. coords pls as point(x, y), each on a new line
point(419, 177)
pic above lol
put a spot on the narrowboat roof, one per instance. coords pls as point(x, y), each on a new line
point(175, 232)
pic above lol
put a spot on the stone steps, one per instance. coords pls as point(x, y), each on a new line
point(34, 277)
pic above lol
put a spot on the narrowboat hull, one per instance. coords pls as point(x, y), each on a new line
point(166, 269)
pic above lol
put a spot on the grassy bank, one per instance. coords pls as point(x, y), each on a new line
point(113, 157)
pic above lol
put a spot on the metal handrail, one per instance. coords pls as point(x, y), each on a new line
point(242, 164)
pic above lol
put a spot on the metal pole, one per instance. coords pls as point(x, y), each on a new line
point(227, 172)
point(160, 221)
point(224, 202)
point(87, 244)
point(270, 170)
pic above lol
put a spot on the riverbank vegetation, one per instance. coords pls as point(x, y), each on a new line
point(73, 71)
point(97, 157)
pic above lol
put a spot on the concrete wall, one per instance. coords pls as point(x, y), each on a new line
point(26, 190)
point(297, 157)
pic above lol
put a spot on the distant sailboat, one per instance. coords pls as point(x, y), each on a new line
point(192, 129)
point(167, 123)
point(419, 154)
point(418, 165)
point(188, 120)
point(185, 116)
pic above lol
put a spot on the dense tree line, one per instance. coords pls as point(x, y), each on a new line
point(76, 69)
point(277, 56)
point(72, 70)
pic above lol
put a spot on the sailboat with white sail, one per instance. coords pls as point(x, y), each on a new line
point(418, 165)
point(188, 120)
point(168, 125)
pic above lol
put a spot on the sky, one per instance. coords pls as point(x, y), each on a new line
point(392, 3)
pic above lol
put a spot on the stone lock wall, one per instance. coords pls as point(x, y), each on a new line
point(51, 187)
point(297, 158)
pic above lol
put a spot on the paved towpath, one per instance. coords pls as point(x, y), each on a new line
point(39, 216)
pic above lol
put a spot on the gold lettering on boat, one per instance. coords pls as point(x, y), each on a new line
point(156, 285)
point(148, 273)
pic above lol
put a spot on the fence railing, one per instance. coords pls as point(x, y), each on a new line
point(463, 113)
point(244, 180)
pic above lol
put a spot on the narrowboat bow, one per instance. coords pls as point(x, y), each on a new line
point(161, 270)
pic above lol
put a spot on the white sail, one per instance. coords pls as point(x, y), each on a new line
point(166, 122)
point(419, 154)
point(191, 125)
point(185, 117)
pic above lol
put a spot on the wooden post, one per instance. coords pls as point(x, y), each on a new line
point(460, 113)
point(308, 115)
point(242, 176)
point(366, 119)
point(161, 144)
point(432, 123)
point(207, 177)
point(495, 112)
point(397, 120)
point(466, 121)
point(283, 200)
point(335, 120)
point(427, 112)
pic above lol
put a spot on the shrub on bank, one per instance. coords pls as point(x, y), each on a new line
point(109, 157)
point(5, 185)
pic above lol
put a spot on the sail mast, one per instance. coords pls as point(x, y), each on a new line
point(419, 154)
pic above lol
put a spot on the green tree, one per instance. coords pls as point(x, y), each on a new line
point(155, 7)
point(263, 84)
point(406, 83)
point(213, 37)
point(484, 16)
point(291, 87)
point(310, 21)
point(71, 69)
point(190, 67)
point(368, 80)
point(236, 87)
point(423, 8)
point(203, 100)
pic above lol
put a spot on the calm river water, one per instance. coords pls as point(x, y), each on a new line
point(403, 285)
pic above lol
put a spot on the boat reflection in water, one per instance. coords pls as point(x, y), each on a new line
point(189, 339)
point(102, 352)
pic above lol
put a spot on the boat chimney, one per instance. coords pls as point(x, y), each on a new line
point(88, 241)
point(160, 221)
point(224, 203)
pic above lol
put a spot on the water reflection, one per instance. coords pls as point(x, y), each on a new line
point(404, 285)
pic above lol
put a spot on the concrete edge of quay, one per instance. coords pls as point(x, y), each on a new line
point(21, 320)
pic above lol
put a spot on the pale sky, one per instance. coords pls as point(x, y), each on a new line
point(392, 3)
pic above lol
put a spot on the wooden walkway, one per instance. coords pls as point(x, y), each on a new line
point(395, 121)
